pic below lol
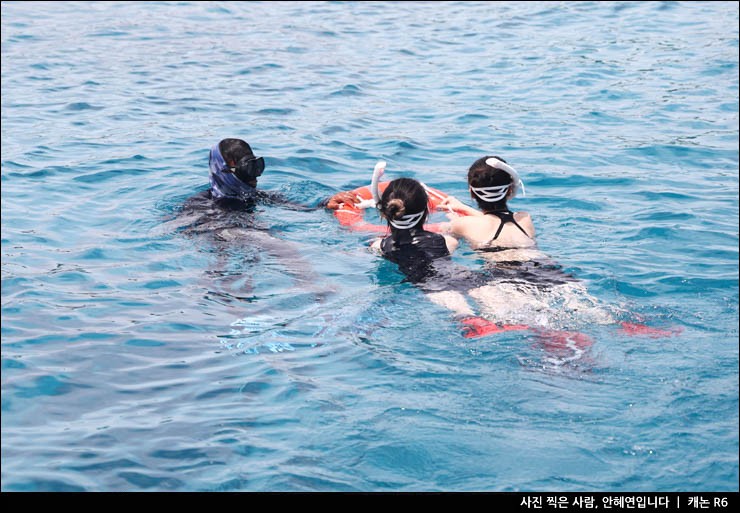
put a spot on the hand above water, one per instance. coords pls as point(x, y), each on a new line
point(336, 201)
point(451, 203)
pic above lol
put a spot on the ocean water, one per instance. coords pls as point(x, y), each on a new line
point(140, 354)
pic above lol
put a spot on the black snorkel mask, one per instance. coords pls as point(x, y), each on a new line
point(248, 168)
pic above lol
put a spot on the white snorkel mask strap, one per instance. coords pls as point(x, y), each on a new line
point(491, 194)
point(406, 221)
point(497, 193)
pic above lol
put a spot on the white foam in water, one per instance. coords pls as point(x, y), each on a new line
point(553, 307)
point(279, 347)
point(254, 322)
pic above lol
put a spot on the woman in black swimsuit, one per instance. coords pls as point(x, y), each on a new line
point(404, 206)
point(524, 284)
point(492, 183)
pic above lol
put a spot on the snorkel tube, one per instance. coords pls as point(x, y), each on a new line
point(364, 203)
point(377, 173)
point(503, 166)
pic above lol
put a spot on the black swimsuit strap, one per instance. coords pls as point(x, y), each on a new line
point(505, 216)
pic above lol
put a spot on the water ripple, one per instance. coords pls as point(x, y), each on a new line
point(147, 350)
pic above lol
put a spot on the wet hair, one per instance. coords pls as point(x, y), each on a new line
point(404, 196)
point(481, 174)
point(233, 150)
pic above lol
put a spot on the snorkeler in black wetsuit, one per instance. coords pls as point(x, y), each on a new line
point(233, 173)
point(226, 218)
point(404, 205)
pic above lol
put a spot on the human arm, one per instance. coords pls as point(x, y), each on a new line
point(451, 242)
point(455, 205)
point(286, 253)
point(277, 198)
point(455, 228)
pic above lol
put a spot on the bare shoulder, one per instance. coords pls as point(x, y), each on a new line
point(455, 226)
point(525, 220)
point(475, 229)
point(465, 222)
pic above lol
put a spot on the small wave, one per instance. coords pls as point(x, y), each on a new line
point(275, 112)
point(109, 33)
point(348, 90)
point(78, 106)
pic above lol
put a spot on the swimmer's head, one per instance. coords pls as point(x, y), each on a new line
point(240, 160)
point(234, 170)
point(404, 204)
point(492, 182)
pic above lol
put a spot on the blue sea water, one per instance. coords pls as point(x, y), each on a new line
point(136, 356)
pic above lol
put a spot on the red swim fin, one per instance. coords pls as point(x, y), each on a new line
point(479, 327)
point(631, 328)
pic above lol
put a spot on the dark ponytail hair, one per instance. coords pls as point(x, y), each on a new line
point(404, 196)
point(481, 174)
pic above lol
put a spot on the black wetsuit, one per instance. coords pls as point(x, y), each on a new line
point(209, 214)
point(235, 232)
point(414, 251)
point(540, 273)
point(206, 199)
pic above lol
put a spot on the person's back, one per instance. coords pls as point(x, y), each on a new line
point(414, 251)
point(404, 205)
point(494, 227)
point(496, 230)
